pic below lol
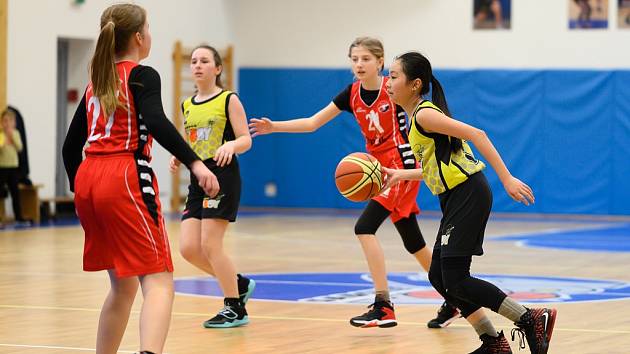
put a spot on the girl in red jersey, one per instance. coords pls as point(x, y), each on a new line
point(383, 125)
point(116, 193)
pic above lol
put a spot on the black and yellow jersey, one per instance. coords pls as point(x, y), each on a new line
point(207, 123)
point(442, 169)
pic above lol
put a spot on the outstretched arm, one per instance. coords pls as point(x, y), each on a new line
point(393, 176)
point(434, 121)
point(262, 126)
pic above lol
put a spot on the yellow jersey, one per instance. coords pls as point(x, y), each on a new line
point(442, 169)
point(207, 123)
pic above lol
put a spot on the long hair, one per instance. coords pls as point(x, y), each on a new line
point(217, 61)
point(118, 24)
point(417, 66)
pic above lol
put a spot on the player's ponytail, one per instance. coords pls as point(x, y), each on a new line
point(439, 99)
point(417, 66)
point(103, 71)
point(118, 24)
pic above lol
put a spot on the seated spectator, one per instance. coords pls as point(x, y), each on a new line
point(10, 146)
point(23, 167)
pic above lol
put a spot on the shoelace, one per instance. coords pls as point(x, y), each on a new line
point(371, 307)
point(521, 337)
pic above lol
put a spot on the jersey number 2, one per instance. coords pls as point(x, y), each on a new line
point(94, 105)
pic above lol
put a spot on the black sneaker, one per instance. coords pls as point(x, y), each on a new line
point(246, 287)
point(536, 325)
point(493, 345)
point(381, 314)
point(445, 316)
point(229, 316)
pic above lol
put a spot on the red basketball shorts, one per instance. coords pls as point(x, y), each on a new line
point(401, 198)
point(117, 201)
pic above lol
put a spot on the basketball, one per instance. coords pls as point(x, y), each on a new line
point(358, 177)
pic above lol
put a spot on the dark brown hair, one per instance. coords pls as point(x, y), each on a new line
point(416, 66)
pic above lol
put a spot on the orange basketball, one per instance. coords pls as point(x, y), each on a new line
point(358, 177)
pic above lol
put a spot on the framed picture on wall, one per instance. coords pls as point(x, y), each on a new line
point(492, 14)
point(588, 14)
point(623, 14)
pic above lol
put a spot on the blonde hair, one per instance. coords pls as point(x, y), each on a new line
point(118, 24)
point(373, 45)
point(8, 113)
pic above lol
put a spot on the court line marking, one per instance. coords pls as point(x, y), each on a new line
point(291, 282)
point(285, 318)
point(405, 288)
point(57, 347)
point(429, 214)
point(262, 212)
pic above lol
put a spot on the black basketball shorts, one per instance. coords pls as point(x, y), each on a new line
point(225, 204)
point(465, 212)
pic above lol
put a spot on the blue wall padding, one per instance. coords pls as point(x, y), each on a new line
point(564, 132)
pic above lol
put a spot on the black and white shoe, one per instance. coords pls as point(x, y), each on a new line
point(445, 316)
point(229, 316)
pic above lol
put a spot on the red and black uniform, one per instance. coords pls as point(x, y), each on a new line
point(116, 192)
point(384, 126)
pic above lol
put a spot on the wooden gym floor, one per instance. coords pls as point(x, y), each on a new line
point(49, 305)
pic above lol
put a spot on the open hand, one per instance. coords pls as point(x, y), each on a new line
point(223, 155)
point(519, 191)
point(260, 126)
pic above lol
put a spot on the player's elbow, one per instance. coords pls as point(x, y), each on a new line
point(311, 125)
point(478, 135)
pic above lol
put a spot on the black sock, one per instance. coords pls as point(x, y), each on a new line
point(382, 295)
point(242, 283)
point(232, 302)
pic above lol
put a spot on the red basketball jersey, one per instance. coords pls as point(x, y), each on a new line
point(380, 124)
point(121, 131)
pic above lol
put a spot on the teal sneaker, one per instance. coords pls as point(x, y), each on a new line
point(246, 287)
point(229, 316)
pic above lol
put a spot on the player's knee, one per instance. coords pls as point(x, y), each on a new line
point(413, 244)
point(435, 278)
point(410, 234)
point(456, 290)
point(362, 227)
point(212, 249)
point(455, 283)
point(125, 289)
point(188, 251)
